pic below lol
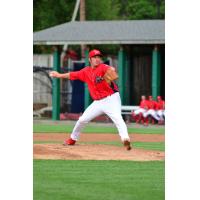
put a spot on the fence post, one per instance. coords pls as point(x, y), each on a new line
point(156, 72)
point(56, 86)
point(87, 98)
point(121, 66)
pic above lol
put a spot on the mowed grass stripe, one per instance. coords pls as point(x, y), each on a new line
point(107, 180)
point(61, 128)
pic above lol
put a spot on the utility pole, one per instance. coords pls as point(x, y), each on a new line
point(82, 18)
point(158, 2)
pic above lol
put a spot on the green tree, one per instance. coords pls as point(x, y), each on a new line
point(141, 9)
point(102, 9)
point(48, 13)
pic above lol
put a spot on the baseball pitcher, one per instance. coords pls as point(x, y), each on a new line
point(100, 80)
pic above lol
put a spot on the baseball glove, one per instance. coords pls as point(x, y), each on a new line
point(110, 75)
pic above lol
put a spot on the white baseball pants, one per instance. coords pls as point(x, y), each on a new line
point(152, 113)
point(140, 110)
point(110, 106)
point(161, 114)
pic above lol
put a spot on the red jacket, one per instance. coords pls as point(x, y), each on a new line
point(152, 105)
point(144, 104)
point(161, 105)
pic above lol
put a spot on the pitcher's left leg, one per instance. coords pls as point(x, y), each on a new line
point(112, 108)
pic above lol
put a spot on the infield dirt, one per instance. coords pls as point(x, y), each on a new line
point(95, 151)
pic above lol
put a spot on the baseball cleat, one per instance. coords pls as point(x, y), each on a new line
point(127, 144)
point(69, 142)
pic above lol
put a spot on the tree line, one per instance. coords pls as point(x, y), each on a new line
point(48, 13)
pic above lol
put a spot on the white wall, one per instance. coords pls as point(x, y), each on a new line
point(43, 60)
point(41, 84)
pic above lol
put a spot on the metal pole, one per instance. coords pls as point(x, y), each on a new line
point(75, 10)
point(73, 19)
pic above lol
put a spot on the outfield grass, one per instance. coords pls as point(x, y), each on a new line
point(62, 128)
point(160, 146)
point(98, 180)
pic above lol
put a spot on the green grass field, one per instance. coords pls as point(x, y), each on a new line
point(98, 180)
point(62, 128)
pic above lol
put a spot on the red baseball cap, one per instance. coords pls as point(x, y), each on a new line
point(150, 97)
point(94, 52)
point(159, 97)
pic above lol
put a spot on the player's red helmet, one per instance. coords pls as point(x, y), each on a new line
point(94, 52)
point(150, 97)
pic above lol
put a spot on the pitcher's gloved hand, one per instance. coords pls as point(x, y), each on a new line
point(110, 75)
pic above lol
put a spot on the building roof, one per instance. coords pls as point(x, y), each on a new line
point(103, 32)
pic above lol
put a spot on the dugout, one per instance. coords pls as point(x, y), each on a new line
point(141, 54)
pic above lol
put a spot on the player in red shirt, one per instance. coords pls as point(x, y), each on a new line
point(152, 107)
point(105, 95)
point(160, 109)
point(138, 114)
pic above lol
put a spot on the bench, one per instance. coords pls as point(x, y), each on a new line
point(126, 112)
point(128, 109)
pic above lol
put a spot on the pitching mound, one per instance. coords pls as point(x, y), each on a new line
point(93, 152)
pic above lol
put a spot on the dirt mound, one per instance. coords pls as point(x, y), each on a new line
point(93, 152)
